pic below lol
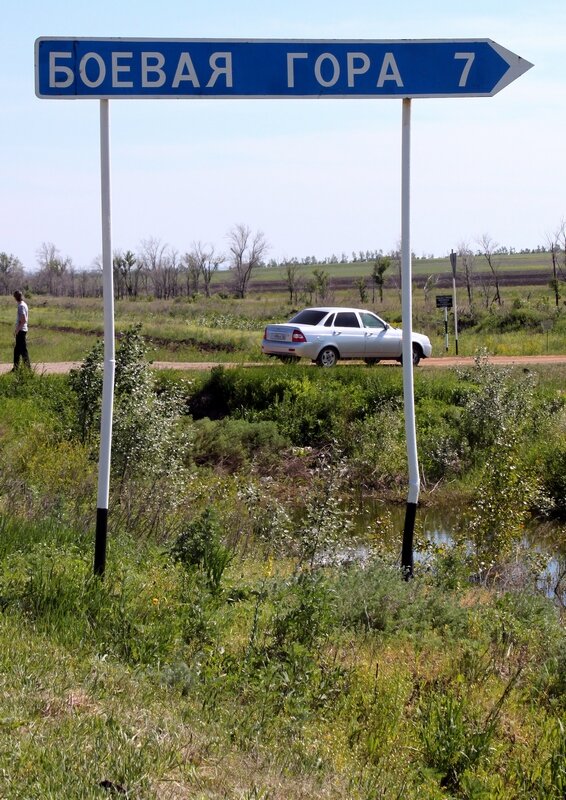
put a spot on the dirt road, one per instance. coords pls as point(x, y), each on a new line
point(62, 367)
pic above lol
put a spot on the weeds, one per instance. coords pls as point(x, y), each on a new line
point(230, 650)
point(200, 546)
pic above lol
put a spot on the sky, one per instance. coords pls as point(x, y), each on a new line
point(317, 177)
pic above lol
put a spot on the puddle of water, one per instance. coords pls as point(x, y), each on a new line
point(438, 526)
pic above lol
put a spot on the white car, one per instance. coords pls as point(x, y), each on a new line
point(327, 334)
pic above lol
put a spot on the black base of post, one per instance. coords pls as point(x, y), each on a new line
point(100, 541)
point(408, 536)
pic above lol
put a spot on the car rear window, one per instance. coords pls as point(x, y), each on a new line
point(309, 317)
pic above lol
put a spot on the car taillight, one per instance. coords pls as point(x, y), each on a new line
point(298, 336)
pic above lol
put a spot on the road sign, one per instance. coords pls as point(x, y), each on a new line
point(444, 301)
point(233, 68)
point(453, 262)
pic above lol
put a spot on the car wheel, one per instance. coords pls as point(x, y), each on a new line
point(327, 357)
point(417, 355)
point(371, 361)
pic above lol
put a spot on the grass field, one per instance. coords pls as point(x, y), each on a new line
point(519, 262)
point(225, 329)
point(231, 652)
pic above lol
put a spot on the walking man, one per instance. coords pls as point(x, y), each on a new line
point(21, 329)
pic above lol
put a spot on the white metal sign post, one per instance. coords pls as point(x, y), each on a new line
point(109, 360)
point(407, 315)
point(105, 69)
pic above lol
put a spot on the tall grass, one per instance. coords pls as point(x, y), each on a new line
point(158, 684)
point(230, 651)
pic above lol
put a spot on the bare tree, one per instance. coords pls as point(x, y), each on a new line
point(467, 261)
point(191, 268)
point(161, 266)
point(429, 284)
point(89, 282)
point(55, 271)
point(396, 263)
point(557, 248)
point(489, 250)
point(247, 250)
point(171, 272)
point(201, 262)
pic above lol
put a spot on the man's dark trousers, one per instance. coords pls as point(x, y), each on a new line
point(21, 350)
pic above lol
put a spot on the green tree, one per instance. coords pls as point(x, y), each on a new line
point(11, 272)
point(291, 273)
point(362, 289)
point(126, 276)
point(321, 283)
point(380, 267)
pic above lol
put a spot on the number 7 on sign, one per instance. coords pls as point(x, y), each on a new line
point(469, 59)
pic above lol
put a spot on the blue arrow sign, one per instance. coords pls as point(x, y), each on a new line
point(187, 68)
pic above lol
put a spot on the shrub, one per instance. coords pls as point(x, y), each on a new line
point(497, 406)
point(515, 318)
point(552, 468)
point(200, 546)
point(377, 448)
point(500, 508)
point(325, 523)
point(86, 383)
point(147, 443)
point(310, 407)
point(377, 598)
point(304, 612)
point(443, 450)
point(233, 443)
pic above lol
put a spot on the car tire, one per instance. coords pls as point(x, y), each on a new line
point(417, 355)
point(327, 357)
point(371, 361)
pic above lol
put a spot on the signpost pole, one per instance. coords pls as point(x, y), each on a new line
point(446, 328)
point(109, 354)
point(407, 312)
point(453, 265)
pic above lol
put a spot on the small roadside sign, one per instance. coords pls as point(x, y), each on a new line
point(444, 301)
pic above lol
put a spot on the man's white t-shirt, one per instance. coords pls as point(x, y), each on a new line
point(22, 314)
